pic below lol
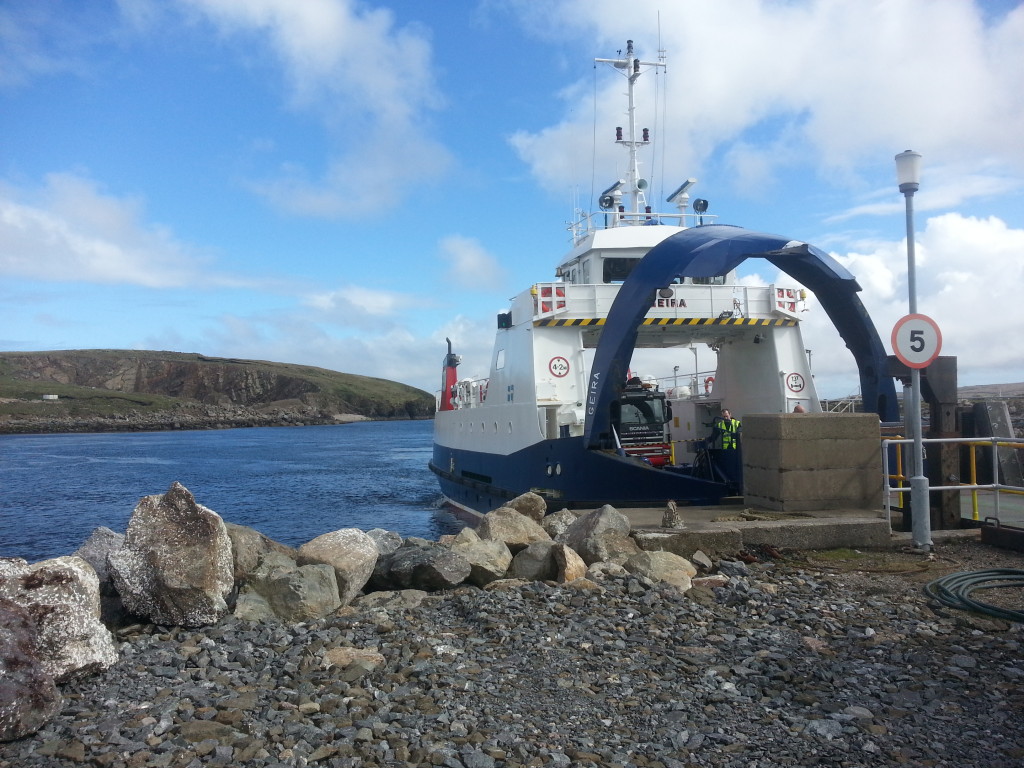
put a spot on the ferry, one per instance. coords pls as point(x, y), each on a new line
point(595, 394)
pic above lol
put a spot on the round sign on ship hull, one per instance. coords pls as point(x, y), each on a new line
point(558, 366)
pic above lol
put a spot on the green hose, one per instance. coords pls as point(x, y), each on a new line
point(955, 590)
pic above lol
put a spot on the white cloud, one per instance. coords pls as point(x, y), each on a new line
point(75, 232)
point(829, 86)
point(371, 84)
point(969, 273)
point(356, 306)
point(470, 265)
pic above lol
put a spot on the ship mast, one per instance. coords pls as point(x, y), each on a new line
point(635, 185)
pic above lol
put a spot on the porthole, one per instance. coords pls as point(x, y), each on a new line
point(558, 469)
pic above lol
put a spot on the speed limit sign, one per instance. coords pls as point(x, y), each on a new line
point(916, 340)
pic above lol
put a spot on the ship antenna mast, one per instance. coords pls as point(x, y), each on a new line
point(630, 69)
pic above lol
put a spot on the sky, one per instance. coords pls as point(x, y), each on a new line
point(345, 184)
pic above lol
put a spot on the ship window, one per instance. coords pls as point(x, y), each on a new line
point(499, 360)
point(617, 270)
point(716, 280)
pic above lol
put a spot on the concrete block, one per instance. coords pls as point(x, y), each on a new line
point(802, 462)
point(829, 533)
point(710, 538)
point(849, 484)
point(817, 454)
point(810, 426)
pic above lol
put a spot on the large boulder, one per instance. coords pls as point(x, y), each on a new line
point(558, 522)
point(176, 565)
point(530, 504)
point(62, 597)
point(569, 566)
point(535, 563)
point(279, 588)
point(662, 566)
point(96, 551)
point(28, 696)
point(608, 547)
point(488, 560)
point(249, 547)
point(386, 541)
point(351, 552)
point(600, 536)
point(515, 529)
point(420, 564)
point(97, 548)
point(607, 518)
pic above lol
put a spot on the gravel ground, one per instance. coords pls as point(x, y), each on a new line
point(816, 659)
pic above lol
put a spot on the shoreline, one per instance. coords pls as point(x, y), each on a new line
point(181, 422)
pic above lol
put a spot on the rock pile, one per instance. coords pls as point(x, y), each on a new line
point(632, 662)
point(180, 564)
point(776, 666)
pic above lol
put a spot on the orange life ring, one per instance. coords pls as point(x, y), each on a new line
point(709, 382)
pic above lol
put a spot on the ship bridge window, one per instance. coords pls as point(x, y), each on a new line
point(617, 270)
point(716, 280)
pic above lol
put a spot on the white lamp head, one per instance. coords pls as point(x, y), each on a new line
point(908, 171)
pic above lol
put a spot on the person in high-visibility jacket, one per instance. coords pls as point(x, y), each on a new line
point(729, 429)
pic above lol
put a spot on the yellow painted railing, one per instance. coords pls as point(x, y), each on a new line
point(892, 457)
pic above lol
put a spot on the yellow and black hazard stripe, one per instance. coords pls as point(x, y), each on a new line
point(670, 321)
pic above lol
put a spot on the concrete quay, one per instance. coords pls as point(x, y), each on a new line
point(726, 529)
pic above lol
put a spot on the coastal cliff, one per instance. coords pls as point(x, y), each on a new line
point(131, 390)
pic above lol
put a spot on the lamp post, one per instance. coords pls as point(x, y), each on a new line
point(908, 175)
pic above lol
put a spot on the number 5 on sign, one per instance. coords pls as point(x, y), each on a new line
point(916, 340)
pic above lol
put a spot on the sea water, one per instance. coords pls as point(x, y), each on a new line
point(290, 483)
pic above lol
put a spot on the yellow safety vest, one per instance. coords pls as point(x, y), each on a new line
point(730, 433)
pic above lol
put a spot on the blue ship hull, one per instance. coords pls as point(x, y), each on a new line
point(569, 476)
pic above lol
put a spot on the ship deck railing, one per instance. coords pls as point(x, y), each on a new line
point(587, 223)
point(468, 393)
point(676, 301)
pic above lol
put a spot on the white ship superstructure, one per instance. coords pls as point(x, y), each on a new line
point(595, 394)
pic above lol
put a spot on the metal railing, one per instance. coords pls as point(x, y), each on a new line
point(972, 444)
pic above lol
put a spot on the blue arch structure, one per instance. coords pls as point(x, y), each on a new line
point(715, 249)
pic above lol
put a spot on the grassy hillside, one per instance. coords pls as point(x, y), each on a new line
point(132, 389)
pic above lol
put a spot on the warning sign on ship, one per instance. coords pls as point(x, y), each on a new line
point(795, 382)
point(558, 366)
